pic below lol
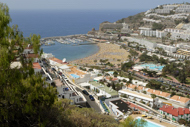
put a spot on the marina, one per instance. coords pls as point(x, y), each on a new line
point(70, 39)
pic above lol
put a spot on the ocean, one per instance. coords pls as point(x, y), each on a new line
point(50, 23)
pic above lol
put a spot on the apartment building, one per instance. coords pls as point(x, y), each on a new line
point(167, 48)
point(183, 9)
point(175, 113)
point(185, 102)
point(158, 93)
point(162, 11)
point(140, 97)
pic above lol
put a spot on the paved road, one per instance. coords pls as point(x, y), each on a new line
point(92, 104)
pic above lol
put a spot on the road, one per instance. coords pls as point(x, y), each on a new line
point(92, 104)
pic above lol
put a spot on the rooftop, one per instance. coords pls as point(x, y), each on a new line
point(136, 94)
point(57, 60)
point(133, 87)
point(180, 99)
point(175, 111)
point(122, 106)
point(159, 93)
point(36, 66)
point(105, 88)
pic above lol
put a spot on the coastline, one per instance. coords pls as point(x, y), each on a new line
point(112, 52)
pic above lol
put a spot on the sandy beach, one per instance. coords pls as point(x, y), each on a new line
point(112, 52)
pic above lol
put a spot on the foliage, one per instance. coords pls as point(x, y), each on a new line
point(157, 26)
point(133, 53)
point(153, 84)
point(150, 73)
point(179, 71)
point(131, 122)
point(25, 98)
point(146, 58)
point(153, 95)
point(115, 73)
point(127, 65)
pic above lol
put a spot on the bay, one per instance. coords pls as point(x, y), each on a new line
point(50, 23)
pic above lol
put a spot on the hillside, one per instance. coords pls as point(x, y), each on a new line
point(135, 21)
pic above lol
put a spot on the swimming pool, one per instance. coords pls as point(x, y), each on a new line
point(75, 76)
point(152, 66)
point(150, 123)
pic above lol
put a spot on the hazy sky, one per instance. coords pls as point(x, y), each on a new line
point(86, 4)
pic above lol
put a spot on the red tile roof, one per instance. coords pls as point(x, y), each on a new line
point(175, 111)
point(36, 66)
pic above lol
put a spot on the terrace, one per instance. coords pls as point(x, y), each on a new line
point(103, 89)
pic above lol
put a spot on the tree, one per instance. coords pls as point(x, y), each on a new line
point(153, 96)
point(24, 96)
point(131, 122)
point(115, 74)
point(157, 26)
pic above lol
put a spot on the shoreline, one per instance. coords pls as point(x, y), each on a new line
point(86, 56)
point(112, 52)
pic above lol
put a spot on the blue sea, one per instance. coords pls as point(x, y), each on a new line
point(50, 23)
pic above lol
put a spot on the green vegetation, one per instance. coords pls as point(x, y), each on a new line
point(150, 73)
point(25, 98)
point(153, 84)
point(146, 58)
point(131, 122)
point(157, 26)
point(127, 65)
point(179, 71)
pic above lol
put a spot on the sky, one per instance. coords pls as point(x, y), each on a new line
point(86, 4)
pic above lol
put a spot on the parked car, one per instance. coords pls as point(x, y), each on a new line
point(91, 97)
point(60, 73)
point(53, 69)
point(85, 92)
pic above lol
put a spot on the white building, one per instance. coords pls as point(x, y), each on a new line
point(170, 7)
point(140, 97)
point(167, 48)
point(47, 55)
point(153, 33)
point(103, 90)
point(151, 20)
point(162, 11)
point(175, 113)
point(66, 92)
point(183, 9)
point(185, 102)
point(119, 107)
point(146, 43)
